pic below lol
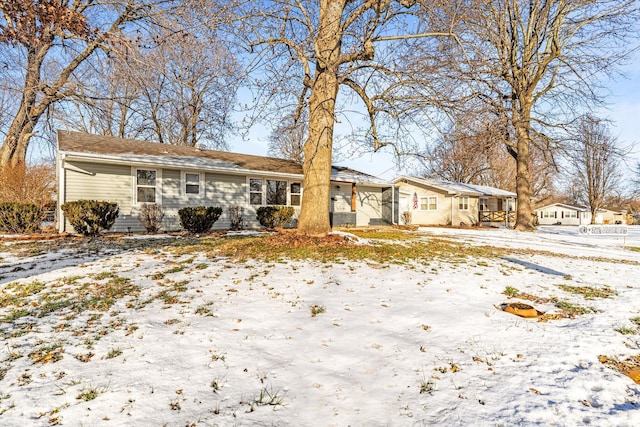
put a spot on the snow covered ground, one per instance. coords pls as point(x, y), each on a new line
point(177, 337)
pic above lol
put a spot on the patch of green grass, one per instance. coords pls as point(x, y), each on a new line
point(269, 397)
point(626, 330)
point(203, 310)
point(635, 321)
point(331, 249)
point(15, 314)
point(48, 353)
point(589, 292)
point(114, 352)
point(510, 291)
point(90, 393)
point(54, 303)
point(22, 290)
point(573, 310)
point(634, 248)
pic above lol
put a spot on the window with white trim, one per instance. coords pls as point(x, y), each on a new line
point(255, 191)
point(463, 203)
point(276, 192)
point(429, 203)
point(192, 183)
point(570, 214)
point(146, 185)
point(484, 204)
point(296, 193)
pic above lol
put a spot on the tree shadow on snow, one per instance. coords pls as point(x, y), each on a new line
point(536, 267)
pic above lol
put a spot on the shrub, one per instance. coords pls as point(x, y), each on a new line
point(274, 216)
point(91, 217)
point(20, 217)
point(235, 217)
point(199, 219)
point(150, 216)
point(405, 217)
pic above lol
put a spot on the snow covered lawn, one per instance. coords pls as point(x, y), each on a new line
point(396, 329)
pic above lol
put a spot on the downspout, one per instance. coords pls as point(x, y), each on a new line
point(451, 219)
point(61, 192)
point(393, 206)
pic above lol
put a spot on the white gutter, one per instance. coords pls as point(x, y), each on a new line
point(60, 172)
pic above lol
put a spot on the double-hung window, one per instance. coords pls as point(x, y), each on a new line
point(146, 185)
point(255, 191)
point(276, 192)
point(192, 183)
point(463, 203)
point(272, 192)
point(429, 203)
point(296, 193)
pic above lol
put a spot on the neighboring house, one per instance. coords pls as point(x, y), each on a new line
point(434, 202)
point(564, 214)
point(610, 216)
point(133, 173)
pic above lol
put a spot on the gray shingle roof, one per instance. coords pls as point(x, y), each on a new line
point(458, 187)
point(135, 151)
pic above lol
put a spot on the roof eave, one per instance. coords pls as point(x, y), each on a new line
point(155, 161)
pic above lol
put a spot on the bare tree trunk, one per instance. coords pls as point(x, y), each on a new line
point(14, 149)
point(314, 214)
point(524, 218)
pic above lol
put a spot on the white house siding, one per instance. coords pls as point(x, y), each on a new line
point(226, 191)
point(340, 197)
point(441, 216)
point(219, 190)
point(368, 205)
point(468, 216)
point(97, 181)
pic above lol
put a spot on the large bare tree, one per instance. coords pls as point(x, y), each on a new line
point(176, 86)
point(534, 64)
point(54, 38)
point(321, 48)
point(594, 161)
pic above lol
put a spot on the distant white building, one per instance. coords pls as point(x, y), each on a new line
point(563, 214)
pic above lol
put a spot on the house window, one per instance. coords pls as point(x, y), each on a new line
point(570, 214)
point(463, 203)
point(276, 192)
point(296, 191)
point(429, 203)
point(192, 183)
point(146, 185)
point(549, 214)
point(255, 191)
point(484, 204)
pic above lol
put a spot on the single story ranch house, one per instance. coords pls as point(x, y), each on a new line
point(436, 202)
point(132, 173)
point(564, 214)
